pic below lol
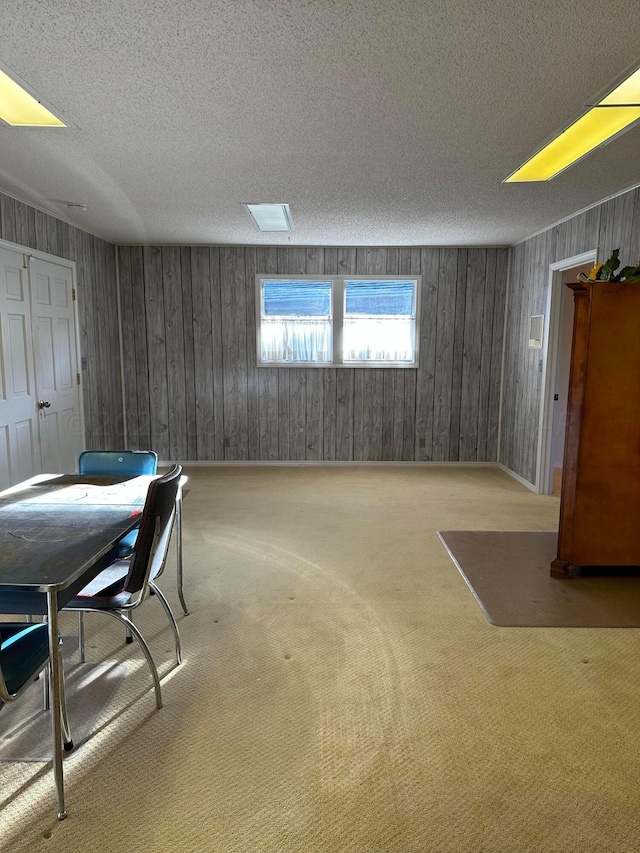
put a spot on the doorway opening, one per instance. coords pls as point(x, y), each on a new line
point(559, 337)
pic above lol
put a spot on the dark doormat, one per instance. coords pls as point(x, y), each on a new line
point(508, 573)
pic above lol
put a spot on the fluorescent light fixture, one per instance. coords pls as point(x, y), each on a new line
point(591, 130)
point(271, 217)
point(627, 93)
point(20, 109)
point(615, 113)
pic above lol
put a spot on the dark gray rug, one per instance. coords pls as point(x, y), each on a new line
point(508, 573)
point(25, 729)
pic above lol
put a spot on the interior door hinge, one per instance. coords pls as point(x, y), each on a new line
point(25, 262)
point(78, 378)
point(73, 293)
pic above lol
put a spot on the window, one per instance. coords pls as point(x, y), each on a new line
point(340, 321)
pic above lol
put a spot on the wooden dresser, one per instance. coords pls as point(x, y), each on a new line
point(600, 501)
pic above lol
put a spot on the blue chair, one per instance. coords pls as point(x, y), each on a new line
point(125, 584)
point(134, 463)
point(24, 654)
point(114, 463)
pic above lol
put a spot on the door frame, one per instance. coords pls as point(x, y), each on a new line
point(551, 341)
point(29, 253)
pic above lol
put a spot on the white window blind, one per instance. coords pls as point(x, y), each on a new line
point(339, 321)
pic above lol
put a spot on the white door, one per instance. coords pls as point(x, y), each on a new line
point(55, 365)
point(19, 432)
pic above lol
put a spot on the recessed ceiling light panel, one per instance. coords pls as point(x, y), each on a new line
point(271, 217)
point(19, 108)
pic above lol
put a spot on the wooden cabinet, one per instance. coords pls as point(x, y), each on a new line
point(600, 502)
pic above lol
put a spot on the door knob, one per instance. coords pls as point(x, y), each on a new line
point(43, 404)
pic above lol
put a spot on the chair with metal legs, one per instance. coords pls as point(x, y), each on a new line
point(130, 463)
point(24, 653)
point(119, 463)
point(125, 584)
point(114, 463)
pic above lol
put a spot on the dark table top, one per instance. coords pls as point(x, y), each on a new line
point(53, 532)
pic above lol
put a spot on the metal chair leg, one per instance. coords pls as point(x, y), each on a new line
point(66, 728)
point(179, 551)
point(128, 637)
point(143, 645)
point(171, 617)
point(45, 688)
point(80, 636)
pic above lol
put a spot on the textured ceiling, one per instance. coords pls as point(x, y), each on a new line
point(381, 123)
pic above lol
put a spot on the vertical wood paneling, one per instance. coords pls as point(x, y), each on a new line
point(115, 401)
point(234, 352)
point(486, 338)
point(445, 340)
point(616, 220)
point(105, 306)
point(128, 337)
point(65, 240)
point(458, 352)
point(25, 224)
point(425, 378)
point(138, 345)
point(189, 353)
point(633, 248)
point(253, 396)
point(87, 288)
point(511, 368)
point(393, 390)
point(207, 356)
point(156, 351)
point(217, 318)
point(409, 261)
point(472, 355)
point(613, 224)
point(174, 345)
point(45, 233)
point(267, 264)
point(8, 218)
point(496, 346)
point(202, 353)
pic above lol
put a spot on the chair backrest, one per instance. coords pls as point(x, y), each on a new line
point(154, 534)
point(24, 651)
point(126, 462)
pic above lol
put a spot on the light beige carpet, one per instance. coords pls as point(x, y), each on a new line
point(342, 692)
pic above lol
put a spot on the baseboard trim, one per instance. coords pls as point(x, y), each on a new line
point(517, 477)
point(253, 463)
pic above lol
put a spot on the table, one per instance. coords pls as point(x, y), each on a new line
point(57, 532)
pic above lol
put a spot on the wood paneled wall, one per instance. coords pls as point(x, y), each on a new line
point(97, 309)
point(193, 391)
point(613, 224)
